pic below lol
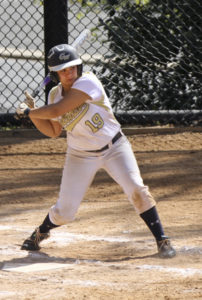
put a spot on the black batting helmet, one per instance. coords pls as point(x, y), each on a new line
point(63, 56)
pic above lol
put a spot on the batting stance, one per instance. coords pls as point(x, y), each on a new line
point(80, 105)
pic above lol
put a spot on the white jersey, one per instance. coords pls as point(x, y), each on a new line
point(92, 125)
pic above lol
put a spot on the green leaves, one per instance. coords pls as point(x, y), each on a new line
point(156, 53)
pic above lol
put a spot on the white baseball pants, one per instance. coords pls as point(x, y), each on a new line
point(79, 170)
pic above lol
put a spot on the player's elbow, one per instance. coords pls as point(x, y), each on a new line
point(54, 135)
point(55, 112)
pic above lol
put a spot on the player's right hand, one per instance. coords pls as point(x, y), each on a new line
point(30, 101)
point(22, 109)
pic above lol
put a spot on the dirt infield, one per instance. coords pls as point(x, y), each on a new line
point(107, 252)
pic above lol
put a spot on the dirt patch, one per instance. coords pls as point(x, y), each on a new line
point(107, 252)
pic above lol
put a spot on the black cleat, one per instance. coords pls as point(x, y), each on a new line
point(165, 250)
point(32, 243)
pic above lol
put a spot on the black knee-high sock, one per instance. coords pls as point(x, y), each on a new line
point(47, 225)
point(151, 218)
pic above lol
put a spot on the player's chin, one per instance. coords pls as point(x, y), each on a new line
point(70, 80)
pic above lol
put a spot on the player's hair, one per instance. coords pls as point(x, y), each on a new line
point(61, 57)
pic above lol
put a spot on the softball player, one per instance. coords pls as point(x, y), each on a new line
point(80, 105)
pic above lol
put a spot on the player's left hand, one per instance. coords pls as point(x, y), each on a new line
point(22, 109)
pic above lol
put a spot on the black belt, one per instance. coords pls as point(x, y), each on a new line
point(115, 138)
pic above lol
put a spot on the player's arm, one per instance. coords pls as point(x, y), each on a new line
point(48, 127)
point(74, 98)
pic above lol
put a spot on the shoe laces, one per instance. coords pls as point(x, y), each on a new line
point(36, 236)
point(164, 244)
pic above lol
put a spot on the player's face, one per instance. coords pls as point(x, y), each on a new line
point(68, 75)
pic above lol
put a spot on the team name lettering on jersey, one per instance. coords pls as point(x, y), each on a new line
point(70, 119)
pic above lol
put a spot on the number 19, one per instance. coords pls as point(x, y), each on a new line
point(96, 122)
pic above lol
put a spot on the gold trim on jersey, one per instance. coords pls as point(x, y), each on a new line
point(100, 103)
point(53, 93)
point(70, 119)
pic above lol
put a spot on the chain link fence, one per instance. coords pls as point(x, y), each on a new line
point(147, 54)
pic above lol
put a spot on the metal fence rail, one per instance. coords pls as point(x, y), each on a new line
point(147, 54)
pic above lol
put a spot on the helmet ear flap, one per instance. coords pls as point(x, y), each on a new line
point(54, 77)
point(79, 70)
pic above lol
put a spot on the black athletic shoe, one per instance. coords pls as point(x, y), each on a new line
point(165, 250)
point(32, 243)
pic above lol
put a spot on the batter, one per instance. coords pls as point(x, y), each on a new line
point(80, 105)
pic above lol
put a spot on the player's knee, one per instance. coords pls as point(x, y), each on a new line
point(61, 217)
point(142, 199)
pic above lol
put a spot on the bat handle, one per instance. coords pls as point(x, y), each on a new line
point(42, 85)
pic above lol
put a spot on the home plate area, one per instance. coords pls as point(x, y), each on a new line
point(112, 266)
point(29, 262)
point(25, 268)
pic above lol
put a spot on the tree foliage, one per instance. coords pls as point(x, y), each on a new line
point(155, 54)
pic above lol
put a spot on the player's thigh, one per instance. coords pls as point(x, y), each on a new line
point(78, 174)
point(122, 166)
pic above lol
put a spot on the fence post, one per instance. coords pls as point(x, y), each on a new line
point(55, 28)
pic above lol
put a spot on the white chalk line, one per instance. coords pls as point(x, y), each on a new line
point(118, 286)
point(4, 294)
point(174, 270)
point(185, 272)
point(179, 271)
point(65, 238)
point(36, 267)
point(6, 227)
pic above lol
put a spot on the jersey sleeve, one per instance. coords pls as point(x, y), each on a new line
point(89, 86)
point(52, 96)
